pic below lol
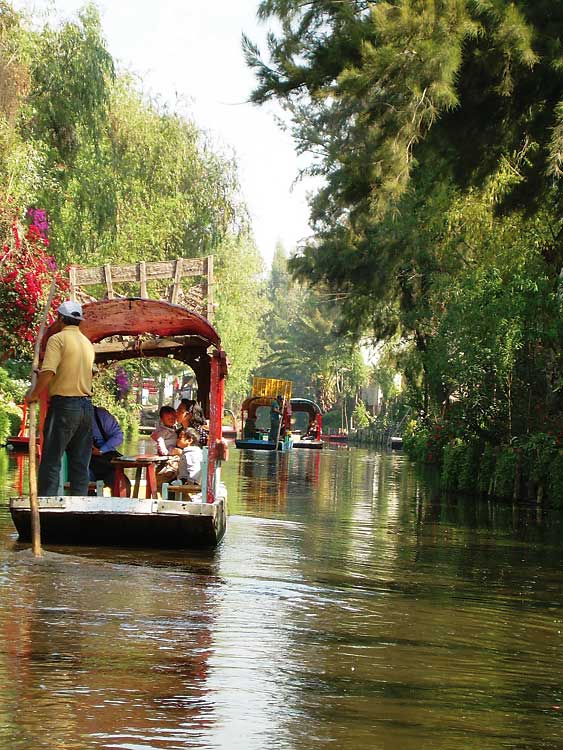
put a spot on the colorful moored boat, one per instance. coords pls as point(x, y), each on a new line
point(264, 393)
point(311, 437)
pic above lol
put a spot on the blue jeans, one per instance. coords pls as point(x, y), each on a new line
point(68, 427)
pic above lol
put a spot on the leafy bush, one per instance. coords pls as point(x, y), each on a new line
point(540, 449)
point(555, 480)
point(415, 439)
point(505, 472)
point(360, 415)
point(10, 419)
point(486, 470)
point(452, 455)
point(11, 388)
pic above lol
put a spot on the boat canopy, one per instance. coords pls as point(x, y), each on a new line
point(305, 404)
point(131, 328)
point(253, 403)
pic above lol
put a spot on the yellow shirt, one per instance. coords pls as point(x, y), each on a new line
point(70, 355)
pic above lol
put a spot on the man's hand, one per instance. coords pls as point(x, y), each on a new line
point(96, 451)
point(43, 381)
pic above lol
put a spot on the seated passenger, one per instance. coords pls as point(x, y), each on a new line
point(189, 469)
point(250, 428)
point(190, 414)
point(165, 435)
point(107, 435)
point(312, 430)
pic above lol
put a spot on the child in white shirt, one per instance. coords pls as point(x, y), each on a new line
point(189, 469)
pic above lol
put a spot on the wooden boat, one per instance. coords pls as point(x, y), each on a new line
point(125, 329)
point(335, 437)
point(253, 438)
point(312, 437)
point(20, 442)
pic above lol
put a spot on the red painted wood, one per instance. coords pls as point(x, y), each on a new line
point(132, 317)
point(216, 403)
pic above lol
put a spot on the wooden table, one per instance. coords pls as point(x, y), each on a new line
point(146, 462)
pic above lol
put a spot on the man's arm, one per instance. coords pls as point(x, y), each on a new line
point(34, 394)
point(51, 361)
point(112, 429)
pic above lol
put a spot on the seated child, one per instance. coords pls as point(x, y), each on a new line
point(165, 435)
point(189, 469)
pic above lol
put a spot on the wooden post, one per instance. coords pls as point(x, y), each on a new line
point(280, 424)
point(143, 279)
point(177, 281)
point(209, 285)
point(109, 281)
point(72, 280)
point(33, 502)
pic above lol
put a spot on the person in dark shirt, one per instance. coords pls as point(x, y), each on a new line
point(107, 436)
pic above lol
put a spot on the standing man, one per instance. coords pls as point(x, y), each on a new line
point(275, 416)
point(66, 372)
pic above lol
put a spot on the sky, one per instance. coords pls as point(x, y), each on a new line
point(187, 54)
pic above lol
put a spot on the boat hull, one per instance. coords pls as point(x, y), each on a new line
point(262, 445)
point(18, 443)
point(123, 522)
point(310, 444)
point(337, 437)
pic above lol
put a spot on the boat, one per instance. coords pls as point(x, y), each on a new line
point(129, 328)
point(334, 437)
point(264, 391)
point(253, 438)
point(20, 442)
point(311, 438)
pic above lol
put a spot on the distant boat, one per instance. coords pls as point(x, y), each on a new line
point(253, 438)
point(20, 442)
point(335, 437)
point(312, 437)
point(17, 443)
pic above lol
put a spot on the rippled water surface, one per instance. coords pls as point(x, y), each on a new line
point(349, 606)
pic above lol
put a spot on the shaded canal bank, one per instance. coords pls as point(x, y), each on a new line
point(348, 605)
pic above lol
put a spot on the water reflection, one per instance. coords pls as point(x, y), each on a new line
point(351, 604)
point(118, 654)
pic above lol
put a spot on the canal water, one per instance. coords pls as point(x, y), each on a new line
point(350, 606)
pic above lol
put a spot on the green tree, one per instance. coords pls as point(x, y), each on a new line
point(121, 177)
point(240, 301)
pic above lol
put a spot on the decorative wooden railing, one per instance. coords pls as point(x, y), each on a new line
point(198, 296)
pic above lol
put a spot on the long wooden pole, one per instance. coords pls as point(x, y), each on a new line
point(33, 503)
point(280, 424)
